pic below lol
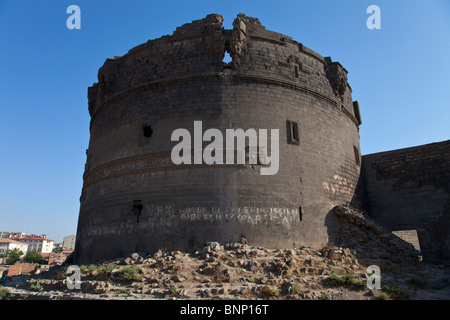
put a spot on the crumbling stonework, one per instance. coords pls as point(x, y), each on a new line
point(370, 239)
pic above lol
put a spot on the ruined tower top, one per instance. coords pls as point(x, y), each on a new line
point(203, 43)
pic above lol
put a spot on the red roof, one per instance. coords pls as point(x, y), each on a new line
point(31, 238)
point(5, 240)
point(22, 268)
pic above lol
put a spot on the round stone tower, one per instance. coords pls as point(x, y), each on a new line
point(136, 198)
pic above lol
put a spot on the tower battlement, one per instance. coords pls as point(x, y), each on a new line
point(196, 50)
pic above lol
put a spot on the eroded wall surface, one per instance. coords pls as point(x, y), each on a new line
point(409, 189)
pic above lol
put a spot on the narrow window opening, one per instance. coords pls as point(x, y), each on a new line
point(147, 131)
point(137, 209)
point(296, 71)
point(300, 213)
point(293, 134)
point(357, 156)
point(356, 112)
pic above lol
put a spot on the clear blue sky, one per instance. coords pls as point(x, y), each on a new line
point(400, 75)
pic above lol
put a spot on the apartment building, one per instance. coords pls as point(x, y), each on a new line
point(9, 244)
point(39, 244)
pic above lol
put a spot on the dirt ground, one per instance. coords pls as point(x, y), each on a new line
point(237, 271)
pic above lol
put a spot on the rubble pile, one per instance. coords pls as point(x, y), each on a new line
point(371, 240)
point(240, 271)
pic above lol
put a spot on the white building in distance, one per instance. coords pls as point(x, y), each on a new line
point(7, 245)
point(40, 244)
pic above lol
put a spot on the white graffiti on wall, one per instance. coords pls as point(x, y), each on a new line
point(251, 215)
point(156, 217)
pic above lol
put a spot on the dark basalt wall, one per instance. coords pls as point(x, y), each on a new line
point(409, 189)
point(135, 198)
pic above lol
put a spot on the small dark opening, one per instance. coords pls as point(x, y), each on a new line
point(148, 131)
point(293, 134)
point(137, 209)
point(357, 156)
point(300, 213)
point(296, 71)
point(356, 111)
point(295, 131)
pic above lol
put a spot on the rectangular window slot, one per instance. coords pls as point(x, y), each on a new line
point(137, 209)
point(300, 213)
point(357, 156)
point(293, 134)
point(356, 112)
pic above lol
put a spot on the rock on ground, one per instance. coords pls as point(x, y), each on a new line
point(241, 271)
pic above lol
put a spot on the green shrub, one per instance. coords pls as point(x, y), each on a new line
point(13, 256)
point(324, 296)
point(32, 256)
point(293, 289)
point(24, 296)
point(173, 291)
point(347, 280)
point(88, 268)
point(393, 293)
point(104, 271)
point(101, 272)
point(3, 293)
point(129, 274)
point(35, 287)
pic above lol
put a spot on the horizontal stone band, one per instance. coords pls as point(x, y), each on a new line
point(141, 164)
point(219, 77)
